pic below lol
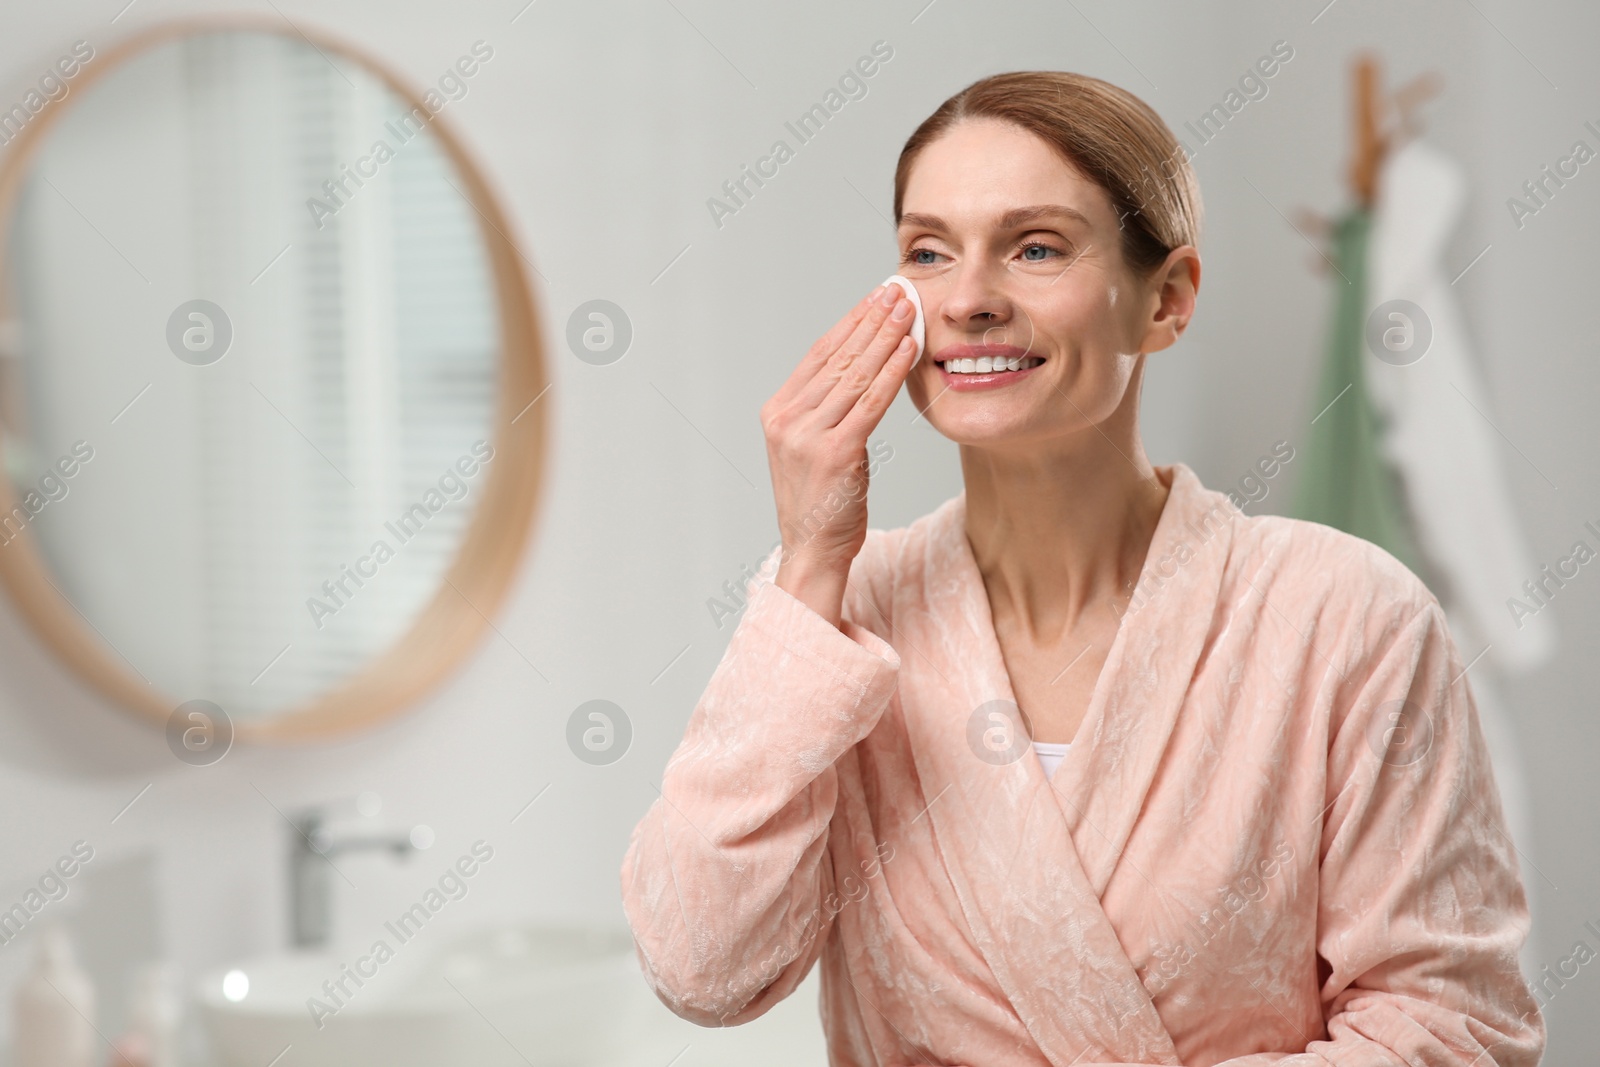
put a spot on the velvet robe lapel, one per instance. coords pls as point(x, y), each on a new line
point(1029, 862)
point(1147, 674)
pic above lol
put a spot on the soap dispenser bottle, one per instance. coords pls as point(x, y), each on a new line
point(154, 1021)
point(52, 1024)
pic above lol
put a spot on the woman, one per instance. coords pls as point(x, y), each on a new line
point(1275, 836)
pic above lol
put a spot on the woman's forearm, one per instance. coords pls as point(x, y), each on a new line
point(725, 878)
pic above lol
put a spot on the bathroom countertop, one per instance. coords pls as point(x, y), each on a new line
point(789, 1035)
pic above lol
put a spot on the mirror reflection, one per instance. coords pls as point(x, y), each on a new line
point(250, 366)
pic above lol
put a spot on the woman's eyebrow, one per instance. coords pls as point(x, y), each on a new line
point(1011, 219)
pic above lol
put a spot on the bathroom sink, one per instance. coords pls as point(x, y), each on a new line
point(516, 997)
point(530, 996)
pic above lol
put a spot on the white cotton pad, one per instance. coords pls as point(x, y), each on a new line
point(919, 332)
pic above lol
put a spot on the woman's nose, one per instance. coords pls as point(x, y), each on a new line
point(973, 303)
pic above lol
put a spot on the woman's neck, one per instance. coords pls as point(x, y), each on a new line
point(1061, 530)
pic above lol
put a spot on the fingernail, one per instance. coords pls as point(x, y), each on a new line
point(874, 294)
point(902, 312)
point(890, 294)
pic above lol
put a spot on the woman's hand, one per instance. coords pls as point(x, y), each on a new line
point(816, 427)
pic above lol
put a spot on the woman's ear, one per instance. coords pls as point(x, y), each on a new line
point(1173, 287)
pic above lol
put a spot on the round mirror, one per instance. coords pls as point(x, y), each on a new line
point(269, 372)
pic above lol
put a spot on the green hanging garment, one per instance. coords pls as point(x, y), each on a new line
point(1345, 481)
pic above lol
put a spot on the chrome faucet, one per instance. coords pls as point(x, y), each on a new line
point(311, 869)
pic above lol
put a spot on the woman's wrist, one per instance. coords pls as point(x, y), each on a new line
point(819, 586)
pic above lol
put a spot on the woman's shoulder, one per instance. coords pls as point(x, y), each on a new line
point(1293, 561)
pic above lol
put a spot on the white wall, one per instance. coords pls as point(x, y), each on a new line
point(605, 127)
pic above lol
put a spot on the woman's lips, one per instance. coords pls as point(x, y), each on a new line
point(987, 379)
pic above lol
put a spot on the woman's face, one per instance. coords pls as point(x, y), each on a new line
point(1016, 255)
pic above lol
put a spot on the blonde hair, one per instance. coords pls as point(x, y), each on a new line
point(1113, 138)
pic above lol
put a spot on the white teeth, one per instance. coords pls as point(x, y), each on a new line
point(990, 364)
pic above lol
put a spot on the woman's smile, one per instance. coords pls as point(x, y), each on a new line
point(984, 366)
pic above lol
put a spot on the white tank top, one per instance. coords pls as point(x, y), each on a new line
point(1051, 753)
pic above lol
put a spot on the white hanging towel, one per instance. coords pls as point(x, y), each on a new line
point(1449, 462)
point(1434, 413)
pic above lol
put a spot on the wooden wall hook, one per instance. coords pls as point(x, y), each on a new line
point(1375, 133)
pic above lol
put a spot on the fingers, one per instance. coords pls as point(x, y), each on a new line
point(869, 408)
point(855, 344)
point(855, 378)
point(825, 347)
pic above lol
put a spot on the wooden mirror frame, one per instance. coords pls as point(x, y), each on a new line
point(478, 579)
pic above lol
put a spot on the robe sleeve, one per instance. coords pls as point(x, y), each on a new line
point(727, 882)
point(1422, 909)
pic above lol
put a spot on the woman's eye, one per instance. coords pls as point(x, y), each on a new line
point(914, 256)
point(1027, 251)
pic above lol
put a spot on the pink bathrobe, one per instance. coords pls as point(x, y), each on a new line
point(1276, 838)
